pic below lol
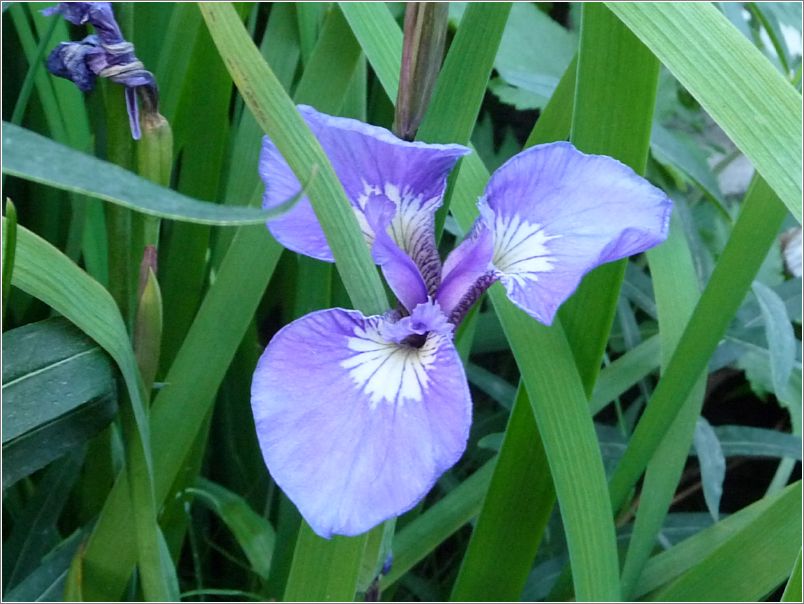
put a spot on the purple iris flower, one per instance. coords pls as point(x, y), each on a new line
point(106, 54)
point(358, 416)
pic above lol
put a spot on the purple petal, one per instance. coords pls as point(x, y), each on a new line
point(465, 266)
point(400, 271)
point(371, 163)
point(72, 61)
point(557, 213)
point(354, 427)
point(133, 113)
point(98, 14)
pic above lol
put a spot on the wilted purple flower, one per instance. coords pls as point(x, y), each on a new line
point(358, 416)
point(106, 54)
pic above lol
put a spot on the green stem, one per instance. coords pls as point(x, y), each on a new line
point(9, 246)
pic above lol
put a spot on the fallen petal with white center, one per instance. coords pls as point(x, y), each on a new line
point(371, 163)
point(357, 419)
point(556, 213)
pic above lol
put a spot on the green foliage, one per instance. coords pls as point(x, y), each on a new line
point(131, 466)
point(57, 393)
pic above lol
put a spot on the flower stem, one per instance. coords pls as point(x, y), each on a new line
point(119, 150)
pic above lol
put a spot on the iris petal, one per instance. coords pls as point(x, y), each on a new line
point(556, 213)
point(355, 427)
point(371, 163)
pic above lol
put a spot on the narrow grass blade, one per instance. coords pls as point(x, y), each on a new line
point(381, 39)
point(419, 538)
point(734, 83)
point(23, 549)
point(738, 440)
point(337, 52)
point(253, 533)
point(555, 120)
point(35, 65)
point(278, 117)
point(47, 582)
point(751, 564)
point(174, 60)
point(633, 366)
point(685, 556)
point(755, 230)
point(39, 159)
point(514, 515)
point(9, 249)
point(675, 285)
point(451, 117)
point(199, 367)
point(792, 591)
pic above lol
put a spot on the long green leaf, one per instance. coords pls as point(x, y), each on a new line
point(58, 392)
point(515, 512)
point(9, 249)
point(429, 530)
point(33, 157)
point(253, 533)
point(179, 411)
point(275, 112)
point(381, 39)
point(614, 98)
point(675, 286)
point(45, 273)
point(46, 583)
point(27, 543)
point(689, 553)
point(751, 564)
point(462, 82)
point(792, 591)
point(737, 86)
point(755, 230)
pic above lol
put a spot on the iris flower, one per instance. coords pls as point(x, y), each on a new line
point(358, 416)
point(105, 54)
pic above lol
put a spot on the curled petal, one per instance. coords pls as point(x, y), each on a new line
point(97, 14)
point(72, 60)
point(556, 213)
point(356, 427)
point(371, 164)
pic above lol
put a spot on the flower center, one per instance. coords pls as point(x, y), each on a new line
point(387, 371)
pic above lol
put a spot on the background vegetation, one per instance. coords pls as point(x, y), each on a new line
point(647, 446)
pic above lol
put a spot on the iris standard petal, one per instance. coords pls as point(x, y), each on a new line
point(557, 213)
point(355, 427)
point(465, 267)
point(400, 271)
point(371, 163)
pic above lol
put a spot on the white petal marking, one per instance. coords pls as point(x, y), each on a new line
point(386, 371)
point(520, 250)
